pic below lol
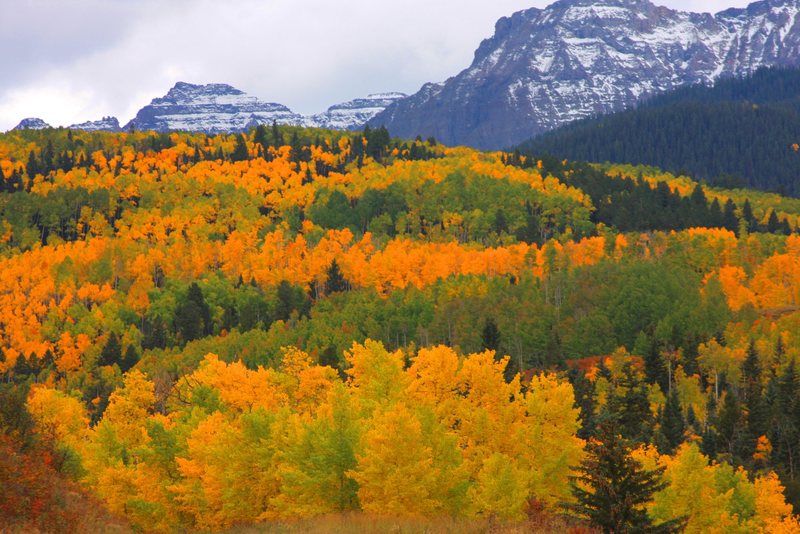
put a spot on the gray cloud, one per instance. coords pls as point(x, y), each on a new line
point(72, 60)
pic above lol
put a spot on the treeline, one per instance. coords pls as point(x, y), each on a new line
point(65, 150)
point(740, 133)
point(635, 204)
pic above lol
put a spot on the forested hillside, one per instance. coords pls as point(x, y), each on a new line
point(738, 133)
point(204, 332)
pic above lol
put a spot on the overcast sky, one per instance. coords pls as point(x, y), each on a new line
point(67, 61)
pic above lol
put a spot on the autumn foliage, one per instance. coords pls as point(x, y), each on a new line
point(339, 322)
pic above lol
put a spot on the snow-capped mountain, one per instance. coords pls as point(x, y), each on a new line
point(353, 114)
point(576, 58)
point(106, 124)
point(31, 123)
point(212, 108)
point(220, 108)
point(216, 108)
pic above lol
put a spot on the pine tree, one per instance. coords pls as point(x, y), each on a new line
point(715, 217)
point(112, 351)
point(672, 423)
point(290, 299)
point(773, 224)
point(155, 337)
point(260, 137)
point(751, 371)
point(500, 223)
point(21, 367)
point(631, 407)
point(655, 368)
point(129, 359)
point(335, 281)
point(729, 221)
point(240, 153)
point(747, 215)
point(728, 426)
point(699, 207)
point(612, 488)
point(780, 352)
point(193, 316)
point(329, 357)
point(32, 168)
point(195, 295)
point(784, 432)
point(277, 136)
point(490, 335)
point(47, 158)
point(585, 393)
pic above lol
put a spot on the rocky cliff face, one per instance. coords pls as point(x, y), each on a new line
point(576, 58)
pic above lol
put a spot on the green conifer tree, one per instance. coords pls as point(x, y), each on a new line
point(112, 351)
point(672, 423)
point(240, 153)
point(335, 281)
point(612, 489)
point(490, 334)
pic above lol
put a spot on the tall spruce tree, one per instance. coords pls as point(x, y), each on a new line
point(729, 221)
point(612, 488)
point(240, 153)
point(112, 351)
point(729, 423)
point(629, 406)
point(784, 433)
point(129, 359)
point(747, 215)
point(193, 316)
point(672, 423)
point(490, 334)
point(335, 281)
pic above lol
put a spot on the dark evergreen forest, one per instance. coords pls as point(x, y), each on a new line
point(737, 133)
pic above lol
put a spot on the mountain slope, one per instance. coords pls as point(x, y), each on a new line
point(739, 132)
point(546, 67)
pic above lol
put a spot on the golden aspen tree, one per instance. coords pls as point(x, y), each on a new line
point(375, 375)
point(395, 471)
point(549, 446)
point(500, 489)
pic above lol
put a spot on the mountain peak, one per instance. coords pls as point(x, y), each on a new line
point(182, 88)
point(565, 4)
point(106, 124)
point(32, 123)
point(219, 107)
point(211, 108)
point(543, 68)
